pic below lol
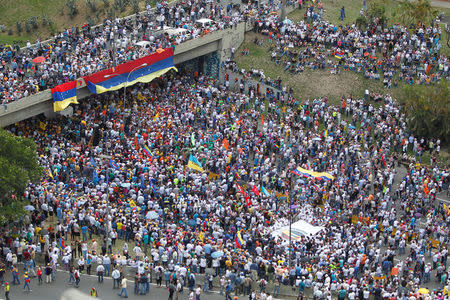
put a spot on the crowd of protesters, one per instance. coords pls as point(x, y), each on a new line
point(394, 54)
point(77, 52)
point(104, 205)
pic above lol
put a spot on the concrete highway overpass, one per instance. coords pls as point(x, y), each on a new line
point(221, 41)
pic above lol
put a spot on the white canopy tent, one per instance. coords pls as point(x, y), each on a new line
point(204, 21)
point(299, 229)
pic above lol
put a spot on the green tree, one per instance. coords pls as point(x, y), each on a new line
point(415, 12)
point(18, 166)
point(427, 109)
point(376, 11)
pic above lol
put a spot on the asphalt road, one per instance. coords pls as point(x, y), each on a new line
point(54, 290)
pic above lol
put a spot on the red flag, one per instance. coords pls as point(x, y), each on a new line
point(136, 144)
point(382, 159)
point(255, 190)
point(262, 119)
point(248, 201)
point(240, 189)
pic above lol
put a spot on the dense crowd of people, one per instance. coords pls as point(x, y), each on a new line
point(172, 222)
point(77, 52)
point(390, 55)
point(395, 54)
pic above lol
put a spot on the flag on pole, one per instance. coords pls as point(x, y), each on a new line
point(193, 163)
point(382, 158)
point(61, 244)
point(265, 191)
point(93, 163)
point(113, 164)
point(255, 190)
point(147, 151)
point(240, 189)
point(239, 240)
point(50, 174)
point(248, 201)
point(142, 181)
point(95, 177)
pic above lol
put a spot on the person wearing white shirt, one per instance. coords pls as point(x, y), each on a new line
point(100, 271)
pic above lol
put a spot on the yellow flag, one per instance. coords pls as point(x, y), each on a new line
point(200, 236)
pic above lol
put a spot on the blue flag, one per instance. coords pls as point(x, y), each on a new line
point(142, 181)
point(95, 177)
point(93, 163)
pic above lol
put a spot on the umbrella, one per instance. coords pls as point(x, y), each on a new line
point(192, 223)
point(351, 127)
point(316, 139)
point(217, 254)
point(152, 215)
point(125, 185)
point(29, 208)
point(287, 22)
point(423, 291)
point(38, 60)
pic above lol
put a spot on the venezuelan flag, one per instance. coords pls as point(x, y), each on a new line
point(113, 164)
point(61, 244)
point(239, 240)
point(147, 151)
point(144, 69)
point(339, 55)
point(64, 94)
point(308, 173)
point(193, 163)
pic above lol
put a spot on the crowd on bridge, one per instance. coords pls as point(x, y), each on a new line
point(76, 52)
point(188, 178)
point(393, 54)
point(120, 192)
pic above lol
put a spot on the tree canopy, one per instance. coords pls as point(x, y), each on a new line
point(427, 109)
point(18, 166)
point(418, 12)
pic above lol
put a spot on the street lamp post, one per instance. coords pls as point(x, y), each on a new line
point(126, 82)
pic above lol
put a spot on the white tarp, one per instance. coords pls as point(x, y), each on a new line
point(176, 31)
point(298, 230)
point(142, 43)
point(204, 21)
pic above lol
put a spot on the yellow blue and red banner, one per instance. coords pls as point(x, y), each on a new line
point(238, 239)
point(144, 69)
point(147, 151)
point(339, 55)
point(317, 175)
point(64, 94)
